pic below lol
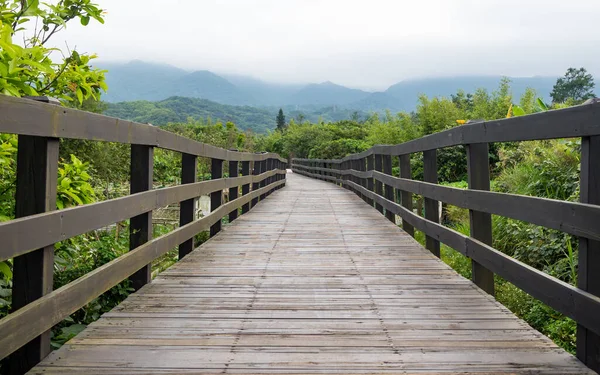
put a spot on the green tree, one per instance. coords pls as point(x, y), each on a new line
point(280, 120)
point(577, 84)
point(27, 69)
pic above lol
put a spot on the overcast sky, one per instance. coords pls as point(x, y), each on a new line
point(366, 44)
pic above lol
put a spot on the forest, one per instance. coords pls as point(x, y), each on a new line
point(94, 171)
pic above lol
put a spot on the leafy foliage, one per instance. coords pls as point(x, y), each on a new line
point(28, 69)
point(577, 85)
point(182, 110)
point(73, 186)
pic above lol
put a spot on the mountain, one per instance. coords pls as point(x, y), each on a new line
point(138, 80)
point(265, 93)
point(377, 101)
point(326, 93)
point(207, 85)
point(179, 109)
point(407, 92)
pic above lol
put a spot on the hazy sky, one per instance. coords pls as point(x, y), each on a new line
point(367, 44)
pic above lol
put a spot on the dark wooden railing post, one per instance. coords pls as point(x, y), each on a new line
point(378, 184)
point(189, 165)
point(37, 173)
point(478, 166)
point(389, 190)
point(361, 166)
point(349, 177)
point(370, 181)
point(263, 183)
point(405, 196)
point(357, 167)
point(431, 206)
point(255, 172)
point(233, 191)
point(245, 187)
point(216, 172)
point(588, 278)
point(140, 227)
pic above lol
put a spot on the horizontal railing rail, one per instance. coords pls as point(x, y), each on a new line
point(369, 175)
point(30, 238)
point(28, 117)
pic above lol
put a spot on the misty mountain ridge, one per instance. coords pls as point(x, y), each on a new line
point(138, 80)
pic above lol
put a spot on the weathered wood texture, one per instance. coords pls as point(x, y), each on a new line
point(37, 172)
point(140, 228)
point(311, 281)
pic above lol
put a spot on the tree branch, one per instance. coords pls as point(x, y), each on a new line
point(62, 70)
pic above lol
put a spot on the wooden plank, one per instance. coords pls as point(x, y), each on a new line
point(37, 172)
point(588, 271)
point(575, 303)
point(480, 223)
point(189, 164)
point(25, 324)
point(233, 191)
point(140, 226)
point(216, 172)
point(430, 175)
point(311, 281)
point(406, 196)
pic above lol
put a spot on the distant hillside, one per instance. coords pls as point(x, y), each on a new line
point(378, 101)
point(326, 93)
point(407, 92)
point(265, 93)
point(178, 109)
point(139, 80)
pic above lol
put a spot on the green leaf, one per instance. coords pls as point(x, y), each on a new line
point(5, 270)
point(65, 182)
point(518, 111)
point(35, 64)
point(73, 196)
point(72, 330)
point(79, 95)
point(541, 104)
point(85, 20)
point(32, 8)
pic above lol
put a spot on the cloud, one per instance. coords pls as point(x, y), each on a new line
point(358, 43)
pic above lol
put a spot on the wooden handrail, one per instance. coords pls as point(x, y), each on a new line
point(362, 173)
point(29, 239)
point(28, 117)
point(73, 221)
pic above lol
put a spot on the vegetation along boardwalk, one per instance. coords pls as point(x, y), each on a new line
point(311, 281)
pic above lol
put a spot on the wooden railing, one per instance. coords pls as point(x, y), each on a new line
point(369, 174)
point(30, 239)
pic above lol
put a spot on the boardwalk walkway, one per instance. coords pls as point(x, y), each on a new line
point(311, 281)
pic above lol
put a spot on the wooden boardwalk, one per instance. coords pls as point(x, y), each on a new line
point(311, 281)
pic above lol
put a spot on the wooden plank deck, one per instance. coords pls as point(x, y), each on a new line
point(311, 281)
